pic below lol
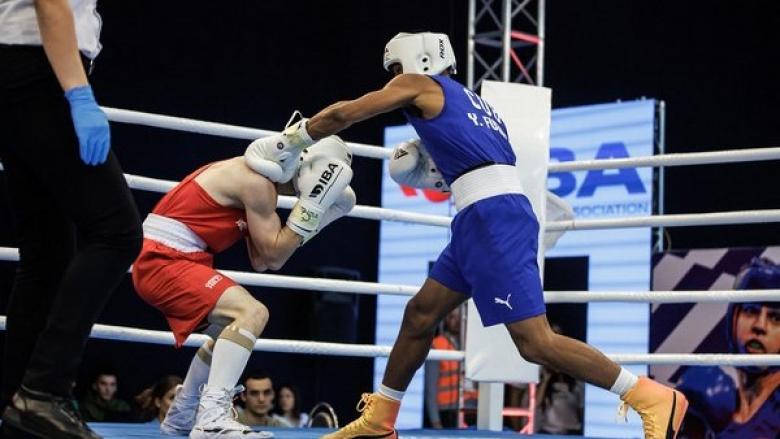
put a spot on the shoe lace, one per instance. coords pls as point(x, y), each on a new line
point(648, 422)
point(364, 406)
point(622, 414)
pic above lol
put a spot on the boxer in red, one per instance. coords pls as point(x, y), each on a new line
point(209, 211)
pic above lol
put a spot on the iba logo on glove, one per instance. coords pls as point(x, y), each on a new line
point(324, 180)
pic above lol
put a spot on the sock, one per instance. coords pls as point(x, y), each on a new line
point(198, 373)
point(231, 353)
point(395, 395)
point(624, 382)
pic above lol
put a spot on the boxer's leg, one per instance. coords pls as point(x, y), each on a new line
point(444, 290)
point(421, 316)
point(661, 408)
point(537, 343)
point(188, 291)
point(243, 319)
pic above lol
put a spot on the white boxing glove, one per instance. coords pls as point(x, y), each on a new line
point(342, 206)
point(321, 181)
point(276, 156)
point(411, 165)
point(330, 147)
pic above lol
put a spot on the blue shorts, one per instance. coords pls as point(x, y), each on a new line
point(492, 258)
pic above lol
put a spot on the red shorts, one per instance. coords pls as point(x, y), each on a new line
point(183, 286)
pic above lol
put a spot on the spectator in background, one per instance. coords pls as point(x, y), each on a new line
point(258, 398)
point(289, 406)
point(443, 378)
point(100, 403)
point(153, 402)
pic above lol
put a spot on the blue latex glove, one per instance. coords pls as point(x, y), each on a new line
point(91, 125)
point(711, 393)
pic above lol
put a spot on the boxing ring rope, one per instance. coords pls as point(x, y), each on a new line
point(383, 214)
point(219, 129)
point(287, 202)
point(122, 333)
point(674, 159)
point(374, 288)
point(380, 152)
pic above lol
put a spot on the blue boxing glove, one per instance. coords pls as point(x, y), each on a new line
point(91, 125)
point(712, 395)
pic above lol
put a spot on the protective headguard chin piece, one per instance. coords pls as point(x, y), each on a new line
point(427, 53)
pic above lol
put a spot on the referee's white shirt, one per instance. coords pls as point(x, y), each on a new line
point(19, 25)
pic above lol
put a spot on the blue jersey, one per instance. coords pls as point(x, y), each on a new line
point(467, 133)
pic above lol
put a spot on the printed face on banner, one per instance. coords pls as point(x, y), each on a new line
point(726, 402)
point(757, 328)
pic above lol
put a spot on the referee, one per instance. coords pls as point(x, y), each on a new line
point(63, 181)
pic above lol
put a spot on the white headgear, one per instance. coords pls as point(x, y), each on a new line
point(427, 53)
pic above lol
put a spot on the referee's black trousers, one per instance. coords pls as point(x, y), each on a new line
point(62, 283)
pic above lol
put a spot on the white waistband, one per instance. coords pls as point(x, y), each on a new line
point(172, 233)
point(484, 183)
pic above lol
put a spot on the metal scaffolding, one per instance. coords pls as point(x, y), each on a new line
point(506, 41)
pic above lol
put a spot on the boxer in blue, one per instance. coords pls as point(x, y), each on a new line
point(492, 254)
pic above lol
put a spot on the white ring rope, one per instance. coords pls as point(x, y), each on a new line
point(373, 288)
point(382, 214)
point(698, 359)
point(710, 296)
point(122, 333)
point(675, 159)
point(380, 152)
point(675, 220)
point(287, 202)
point(221, 129)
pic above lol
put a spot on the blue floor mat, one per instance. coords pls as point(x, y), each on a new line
point(120, 431)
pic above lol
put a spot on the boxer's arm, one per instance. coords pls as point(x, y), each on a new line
point(401, 91)
point(254, 257)
point(269, 243)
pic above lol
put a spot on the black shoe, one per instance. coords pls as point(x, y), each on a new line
point(47, 416)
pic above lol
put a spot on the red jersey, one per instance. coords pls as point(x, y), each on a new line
point(218, 226)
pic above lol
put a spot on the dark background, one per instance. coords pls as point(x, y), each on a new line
point(253, 63)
